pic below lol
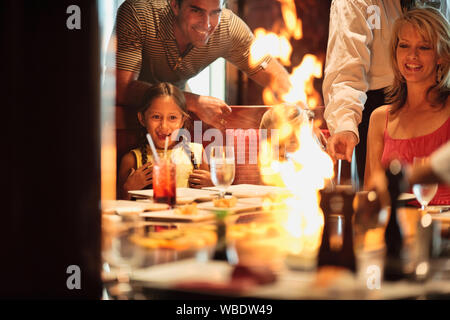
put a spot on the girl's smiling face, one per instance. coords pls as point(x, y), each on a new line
point(416, 58)
point(162, 118)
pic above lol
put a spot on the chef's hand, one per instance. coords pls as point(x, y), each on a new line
point(340, 145)
point(209, 109)
point(140, 178)
point(199, 179)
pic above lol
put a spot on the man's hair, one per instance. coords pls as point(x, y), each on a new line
point(180, 1)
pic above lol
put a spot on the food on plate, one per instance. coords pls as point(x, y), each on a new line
point(187, 209)
point(225, 202)
point(177, 239)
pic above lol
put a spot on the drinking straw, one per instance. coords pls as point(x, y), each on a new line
point(152, 146)
point(165, 147)
point(339, 172)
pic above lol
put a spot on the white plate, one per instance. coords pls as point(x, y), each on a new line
point(249, 190)
point(184, 195)
point(124, 206)
point(169, 274)
point(247, 205)
point(171, 215)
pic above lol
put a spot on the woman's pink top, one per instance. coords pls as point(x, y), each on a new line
point(406, 149)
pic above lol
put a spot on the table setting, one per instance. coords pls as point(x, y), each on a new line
point(179, 250)
point(279, 241)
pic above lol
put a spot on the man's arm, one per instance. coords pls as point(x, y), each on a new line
point(130, 93)
point(347, 64)
point(274, 76)
point(209, 109)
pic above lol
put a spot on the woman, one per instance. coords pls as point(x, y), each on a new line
point(417, 122)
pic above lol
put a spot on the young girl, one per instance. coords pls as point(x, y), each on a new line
point(163, 113)
point(287, 119)
point(417, 122)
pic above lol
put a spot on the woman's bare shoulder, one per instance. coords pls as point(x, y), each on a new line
point(381, 111)
point(378, 116)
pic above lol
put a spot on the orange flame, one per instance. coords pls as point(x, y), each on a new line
point(291, 157)
point(278, 46)
point(303, 172)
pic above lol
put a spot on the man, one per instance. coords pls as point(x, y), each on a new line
point(358, 70)
point(172, 41)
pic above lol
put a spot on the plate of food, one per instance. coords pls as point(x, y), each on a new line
point(249, 190)
point(184, 195)
point(178, 239)
point(125, 206)
point(232, 205)
point(183, 213)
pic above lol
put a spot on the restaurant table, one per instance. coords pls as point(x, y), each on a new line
point(190, 273)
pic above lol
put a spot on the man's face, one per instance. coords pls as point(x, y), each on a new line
point(197, 20)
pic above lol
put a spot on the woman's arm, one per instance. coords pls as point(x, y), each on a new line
point(375, 143)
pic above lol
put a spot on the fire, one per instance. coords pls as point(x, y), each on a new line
point(290, 157)
point(279, 46)
point(302, 77)
point(293, 24)
point(269, 42)
point(303, 173)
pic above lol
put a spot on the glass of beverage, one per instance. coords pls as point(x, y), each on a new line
point(424, 192)
point(222, 167)
point(164, 182)
point(120, 252)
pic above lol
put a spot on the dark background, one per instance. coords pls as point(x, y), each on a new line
point(51, 95)
point(51, 216)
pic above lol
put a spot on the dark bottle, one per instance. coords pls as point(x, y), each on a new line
point(393, 266)
point(337, 238)
point(223, 251)
point(220, 252)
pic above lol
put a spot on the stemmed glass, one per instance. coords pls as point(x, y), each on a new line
point(222, 167)
point(423, 192)
point(119, 249)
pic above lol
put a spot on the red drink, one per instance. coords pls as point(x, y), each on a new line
point(164, 182)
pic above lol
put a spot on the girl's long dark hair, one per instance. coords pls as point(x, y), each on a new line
point(160, 90)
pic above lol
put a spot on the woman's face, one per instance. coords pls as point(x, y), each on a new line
point(416, 58)
point(161, 119)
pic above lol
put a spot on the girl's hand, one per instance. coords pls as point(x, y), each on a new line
point(140, 178)
point(199, 179)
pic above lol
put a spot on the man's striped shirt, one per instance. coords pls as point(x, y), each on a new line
point(146, 44)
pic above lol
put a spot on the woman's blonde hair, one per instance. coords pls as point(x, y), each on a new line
point(434, 28)
point(278, 115)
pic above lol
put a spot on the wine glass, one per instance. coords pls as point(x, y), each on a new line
point(222, 167)
point(120, 251)
point(424, 192)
